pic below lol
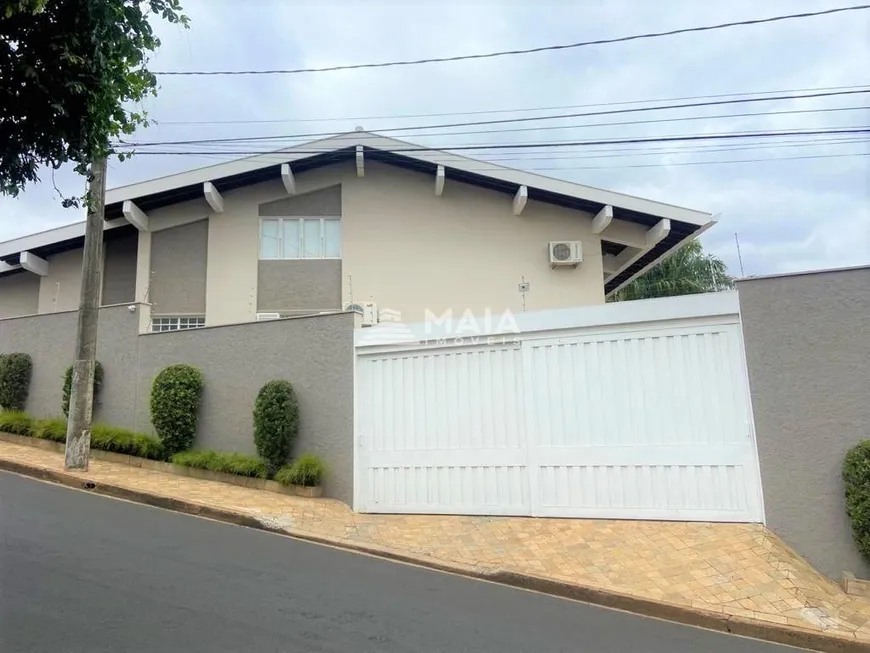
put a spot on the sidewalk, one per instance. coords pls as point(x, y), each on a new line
point(739, 572)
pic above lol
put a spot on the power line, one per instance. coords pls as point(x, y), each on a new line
point(699, 163)
point(504, 146)
point(632, 150)
point(505, 53)
point(500, 111)
point(204, 142)
point(501, 121)
point(644, 165)
point(592, 153)
point(543, 146)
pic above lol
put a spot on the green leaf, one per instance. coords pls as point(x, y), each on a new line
point(69, 111)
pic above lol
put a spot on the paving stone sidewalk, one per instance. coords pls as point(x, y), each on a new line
point(734, 569)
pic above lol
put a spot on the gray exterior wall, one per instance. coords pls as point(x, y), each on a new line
point(50, 341)
point(808, 351)
point(119, 269)
point(179, 257)
point(312, 285)
point(19, 294)
point(315, 353)
point(326, 202)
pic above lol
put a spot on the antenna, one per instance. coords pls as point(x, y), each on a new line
point(739, 255)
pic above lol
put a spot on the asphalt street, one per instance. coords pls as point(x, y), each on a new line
point(83, 573)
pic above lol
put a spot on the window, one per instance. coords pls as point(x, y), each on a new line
point(296, 238)
point(159, 324)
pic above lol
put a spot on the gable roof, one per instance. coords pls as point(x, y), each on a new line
point(685, 224)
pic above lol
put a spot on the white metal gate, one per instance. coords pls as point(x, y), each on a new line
point(644, 416)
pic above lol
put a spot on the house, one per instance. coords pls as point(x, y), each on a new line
point(352, 220)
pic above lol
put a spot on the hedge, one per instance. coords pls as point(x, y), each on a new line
point(15, 371)
point(113, 438)
point(67, 385)
point(14, 421)
point(103, 436)
point(307, 470)
point(219, 461)
point(175, 398)
point(276, 422)
point(856, 477)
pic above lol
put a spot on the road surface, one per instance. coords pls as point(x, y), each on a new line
point(89, 574)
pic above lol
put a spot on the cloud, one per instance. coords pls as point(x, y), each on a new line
point(789, 213)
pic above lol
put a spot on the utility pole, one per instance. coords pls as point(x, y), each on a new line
point(81, 405)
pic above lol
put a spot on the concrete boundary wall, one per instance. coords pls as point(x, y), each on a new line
point(315, 353)
point(807, 339)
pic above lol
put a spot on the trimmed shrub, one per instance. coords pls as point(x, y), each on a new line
point(14, 421)
point(15, 370)
point(276, 422)
point(175, 398)
point(50, 429)
point(856, 477)
point(67, 385)
point(219, 461)
point(307, 470)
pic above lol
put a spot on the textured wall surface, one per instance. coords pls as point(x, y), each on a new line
point(50, 341)
point(314, 353)
point(808, 351)
point(178, 269)
point(19, 294)
point(307, 285)
point(325, 202)
point(119, 270)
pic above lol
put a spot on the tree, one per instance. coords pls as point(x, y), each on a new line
point(685, 272)
point(69, 70)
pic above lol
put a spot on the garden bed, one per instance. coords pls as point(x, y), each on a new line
point(169, 468)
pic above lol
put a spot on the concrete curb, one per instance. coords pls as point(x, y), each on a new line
point(780, 634)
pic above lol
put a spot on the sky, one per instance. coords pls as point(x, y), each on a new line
point(790, 214)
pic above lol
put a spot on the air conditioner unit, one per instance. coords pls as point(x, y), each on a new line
point(262, 317)
point(565, 252)
point(369, 314)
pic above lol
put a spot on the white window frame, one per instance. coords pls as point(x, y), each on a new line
point(176, 323)
point(300, 219)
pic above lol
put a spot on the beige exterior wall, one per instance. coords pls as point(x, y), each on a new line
point(60, 289)
point(234, 244)
point(19, 294)
point(408, 250)
point(403, 247)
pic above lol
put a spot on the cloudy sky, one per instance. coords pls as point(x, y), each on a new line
point(791, 214)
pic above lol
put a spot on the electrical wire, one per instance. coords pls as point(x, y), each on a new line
point(503, 146)
point(599, 124)
point(693, 105)
point(645, 165)
point(700, 163)
point(162, 123)
point(520, 158)
point(505, 53)
point(635, 149)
